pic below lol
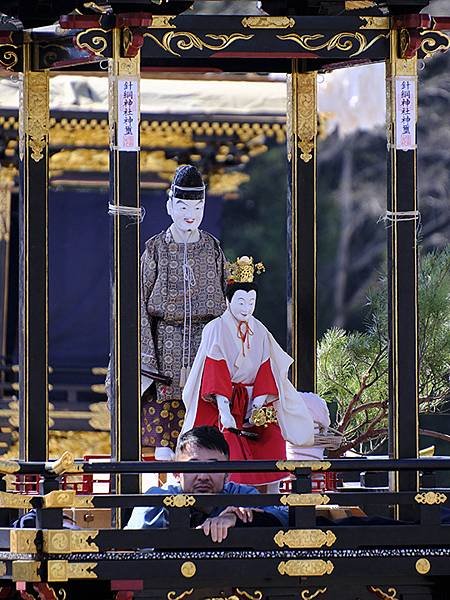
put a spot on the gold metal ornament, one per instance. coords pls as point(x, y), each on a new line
point(64, 464)
point(375, 22)
point(344, 42)
point(57, 570)
point(304, 104)
point(58, 541)
point(37, 116)
point(8, 500)
point(304, 499)
point(129, 66)
point(26, 570)
point(9, 466)
point(314, 465)
point(185, 40)
point(305, 568)
point(188, 569)
point(94, 45)
point(307, 595)
point(243, 269)
point(82, 570)
point(430, 498)
point(423, 566)
point(268, 22)
point(358, 4)
point(162, 22)
point(304, 538)
point(262, 417)
point(390, 594)
point(22, 541)
point(8, 56)
point(179, 501)
point(434, 41)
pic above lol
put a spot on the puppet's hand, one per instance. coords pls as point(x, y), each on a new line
point(226, 418)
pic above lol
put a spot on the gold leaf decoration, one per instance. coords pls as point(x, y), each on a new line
point(8, 56)
point(268, 22)
point(375, 22)
point(304, 538)
point(314, 465)
point(356, 43)
point(304, 499)
point(36, 101)
point(390, 594)
point(305, 568)
point(185, 40)
point(423, 566)
point(307, 595)
point(188, 569)
point(96, 44)
point(173, 594)
point(434, 41)
point(430, 498)
point(179, 501)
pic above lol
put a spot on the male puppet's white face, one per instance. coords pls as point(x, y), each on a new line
point(243, 304)
point(186, 214)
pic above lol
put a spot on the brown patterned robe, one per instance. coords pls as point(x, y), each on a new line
point(162, 323)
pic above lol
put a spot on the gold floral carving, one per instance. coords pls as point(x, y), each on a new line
point(96, 44)
point(375, 22)
point(307, 595)
point(434, 41)
point(430, 498)
point(36, 105)
point(314, 465)
point(57, 570)
point(389, 594)
point(304, 499)
point(423, 566)
point(22, 541)
point(185, 40)
point(358, 4)
point(8, 500)
point(162, 22)
point(268, 22)
point(188, 569)
point(305, 568)
point(8, 56)
point(305, 105)
point(257, 595)
point(129, 66)
point(173, 594)
point(179, 501)
point(59, 541)
point(304, 538)
point(356, 43)
point(26, 570)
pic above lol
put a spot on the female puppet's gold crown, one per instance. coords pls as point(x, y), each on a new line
point(243, 270)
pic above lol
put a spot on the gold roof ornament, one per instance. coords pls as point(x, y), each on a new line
point(243, 270)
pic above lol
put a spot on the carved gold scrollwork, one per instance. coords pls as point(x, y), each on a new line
point(36, 103)
point(129, 66)
point(57, 570)
point(358, 4)
point(430, 498)
point(304, 499)
point(434, 41)
point(179, 501)
point(257, 595)
point(268, 22)
point(8, 500)
point(58, 541)
point(305, 568)
point(82, 570)
point(304, 538)
point(64, 464)
point(389, 594)
point(307, 595)
point(94, 44)
point(423, 566)
point(8, 56)
point(356, 43)
point(306, 117)
point(26, 570)
point(185, 40)
point(314, 465)
point(173, 595)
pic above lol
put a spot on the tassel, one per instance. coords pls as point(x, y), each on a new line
point(188, 371)
point(183, 377)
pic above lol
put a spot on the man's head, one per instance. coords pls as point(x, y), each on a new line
point(186, 203)
point(202, 444)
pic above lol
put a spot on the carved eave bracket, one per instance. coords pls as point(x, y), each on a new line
point(422, 35)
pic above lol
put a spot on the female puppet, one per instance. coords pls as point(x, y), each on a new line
point(239, 382)
point(182, 288)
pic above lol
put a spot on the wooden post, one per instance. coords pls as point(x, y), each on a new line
point(301, 219)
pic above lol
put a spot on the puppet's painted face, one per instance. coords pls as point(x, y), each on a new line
point(186, 214)
point(242, 304)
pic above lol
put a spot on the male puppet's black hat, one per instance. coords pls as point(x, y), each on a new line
point(187, 184)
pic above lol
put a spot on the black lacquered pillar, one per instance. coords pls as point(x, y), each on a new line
point(33, 263)
point(402, 220)
point(124, 209)
point(301, 219)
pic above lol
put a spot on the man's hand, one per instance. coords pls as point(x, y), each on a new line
point(217, 527)
point(244, 513)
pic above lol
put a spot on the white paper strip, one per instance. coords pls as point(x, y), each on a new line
point(128, 115)
point(405, 109)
